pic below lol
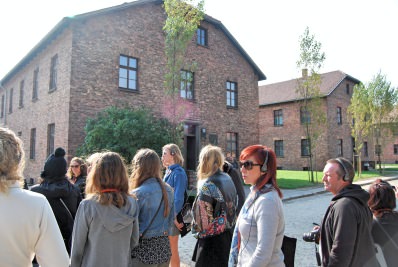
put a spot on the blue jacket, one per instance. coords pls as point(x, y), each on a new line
point(148, 196)
point(177, 178)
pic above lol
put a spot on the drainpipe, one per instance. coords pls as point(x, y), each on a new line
point(5, 104)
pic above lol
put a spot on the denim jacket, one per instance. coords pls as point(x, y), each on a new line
point(176, 177)
point(148, 196)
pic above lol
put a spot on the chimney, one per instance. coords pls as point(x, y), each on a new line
point(304, 73)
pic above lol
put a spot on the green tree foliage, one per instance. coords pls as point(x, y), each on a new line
point(183, 19)
point(311, 59)
point(125, 130)
point(358, 114)
point(372, 108)
point(382, 100)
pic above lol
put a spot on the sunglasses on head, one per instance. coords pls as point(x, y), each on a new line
point(248, 164)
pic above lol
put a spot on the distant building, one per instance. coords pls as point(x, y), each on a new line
point(281, 122)
point(115, 56)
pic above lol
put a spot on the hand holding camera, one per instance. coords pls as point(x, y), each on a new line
point(312, 236)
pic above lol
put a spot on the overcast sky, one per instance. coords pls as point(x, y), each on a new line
point(359, 37)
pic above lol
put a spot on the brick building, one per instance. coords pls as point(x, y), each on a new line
point(281, 127)
point(115, 56)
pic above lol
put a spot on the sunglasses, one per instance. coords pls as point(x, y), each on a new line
point(74, 166)
point(248, 164)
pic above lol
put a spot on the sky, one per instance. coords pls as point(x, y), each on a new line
point(358, 37)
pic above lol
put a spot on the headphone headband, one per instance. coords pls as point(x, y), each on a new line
point(341, 163)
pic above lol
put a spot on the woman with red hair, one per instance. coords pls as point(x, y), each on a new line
point(259, 231)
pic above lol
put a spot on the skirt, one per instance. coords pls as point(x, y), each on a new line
point(213, 251)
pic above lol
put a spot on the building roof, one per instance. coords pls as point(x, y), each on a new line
point(287, 91)
point(66, 21)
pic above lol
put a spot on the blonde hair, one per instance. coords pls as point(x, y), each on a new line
point(12, 159)
point(211, 159)
point(146, 164)
point(108, 172)
point(175, 152)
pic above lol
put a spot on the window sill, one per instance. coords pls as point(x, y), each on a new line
point(129, 90)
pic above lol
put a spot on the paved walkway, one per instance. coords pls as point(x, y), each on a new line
point(291, 194)
point(186, 244)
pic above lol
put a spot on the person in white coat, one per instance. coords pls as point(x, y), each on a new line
point(27, 221)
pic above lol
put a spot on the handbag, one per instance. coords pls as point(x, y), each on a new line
point(185, 216)
point(289, 250)
point(153, 250)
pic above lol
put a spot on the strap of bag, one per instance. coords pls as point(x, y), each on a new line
point(385, 232)
point(153, 218)
point(66, 207)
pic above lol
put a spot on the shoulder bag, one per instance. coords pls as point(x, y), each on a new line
point(153, 250)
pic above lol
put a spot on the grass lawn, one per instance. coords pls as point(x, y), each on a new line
point(296, 179)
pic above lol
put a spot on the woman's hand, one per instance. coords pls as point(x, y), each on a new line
point(178, 225)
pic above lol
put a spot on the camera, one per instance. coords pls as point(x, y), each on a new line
point(312, 236)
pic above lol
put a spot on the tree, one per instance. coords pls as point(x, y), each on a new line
point(358, 113)
point(125, 130)
point(382, 100)
point(311, 58)
point(183, 19)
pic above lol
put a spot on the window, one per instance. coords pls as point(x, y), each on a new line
point(32, 143)
point(128, 68)
point(365, 149)
point(11, 97)
point(3, 102)
point(21, 93)
point(232, 143)
point(347, 89)
point(339, 147)
point(339, 117)
point(201, 36)
point(305, 148)
point(35, 83)
point(53, 73)
point(278, 117)
point(186, 84)
point(232, 94)
point(50, 138)
point(305, 116)
point(395, 149)
point(278, 144)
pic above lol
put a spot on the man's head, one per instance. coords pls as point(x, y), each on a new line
point(337, 174)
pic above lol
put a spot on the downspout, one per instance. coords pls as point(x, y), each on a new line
point(5, 104)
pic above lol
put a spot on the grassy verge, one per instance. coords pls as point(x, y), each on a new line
point(296, 179)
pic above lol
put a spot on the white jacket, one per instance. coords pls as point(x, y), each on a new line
point(28, 227)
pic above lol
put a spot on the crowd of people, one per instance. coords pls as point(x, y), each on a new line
point(100, 211)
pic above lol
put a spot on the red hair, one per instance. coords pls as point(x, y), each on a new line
point(259, 152)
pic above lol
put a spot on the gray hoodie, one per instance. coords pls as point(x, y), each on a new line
point(104, 235)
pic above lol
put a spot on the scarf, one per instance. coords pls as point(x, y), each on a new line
point(235, 245)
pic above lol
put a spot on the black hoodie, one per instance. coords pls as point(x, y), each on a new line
point(346, 230)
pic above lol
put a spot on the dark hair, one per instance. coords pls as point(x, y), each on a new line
point(82, 166)
point(382, 197)
point(259, 152)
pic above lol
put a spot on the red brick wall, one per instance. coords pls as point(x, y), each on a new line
point(88, 54)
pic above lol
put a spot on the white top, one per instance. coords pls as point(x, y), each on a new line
point(28, 227)
point(261, 230)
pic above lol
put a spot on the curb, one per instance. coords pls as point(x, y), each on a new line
point(321, 190)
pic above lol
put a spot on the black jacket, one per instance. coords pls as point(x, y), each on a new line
point(60, 188)
point(346, 230)
point(236, 178)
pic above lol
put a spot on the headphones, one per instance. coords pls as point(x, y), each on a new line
point(264, 166)
point(346, 175)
